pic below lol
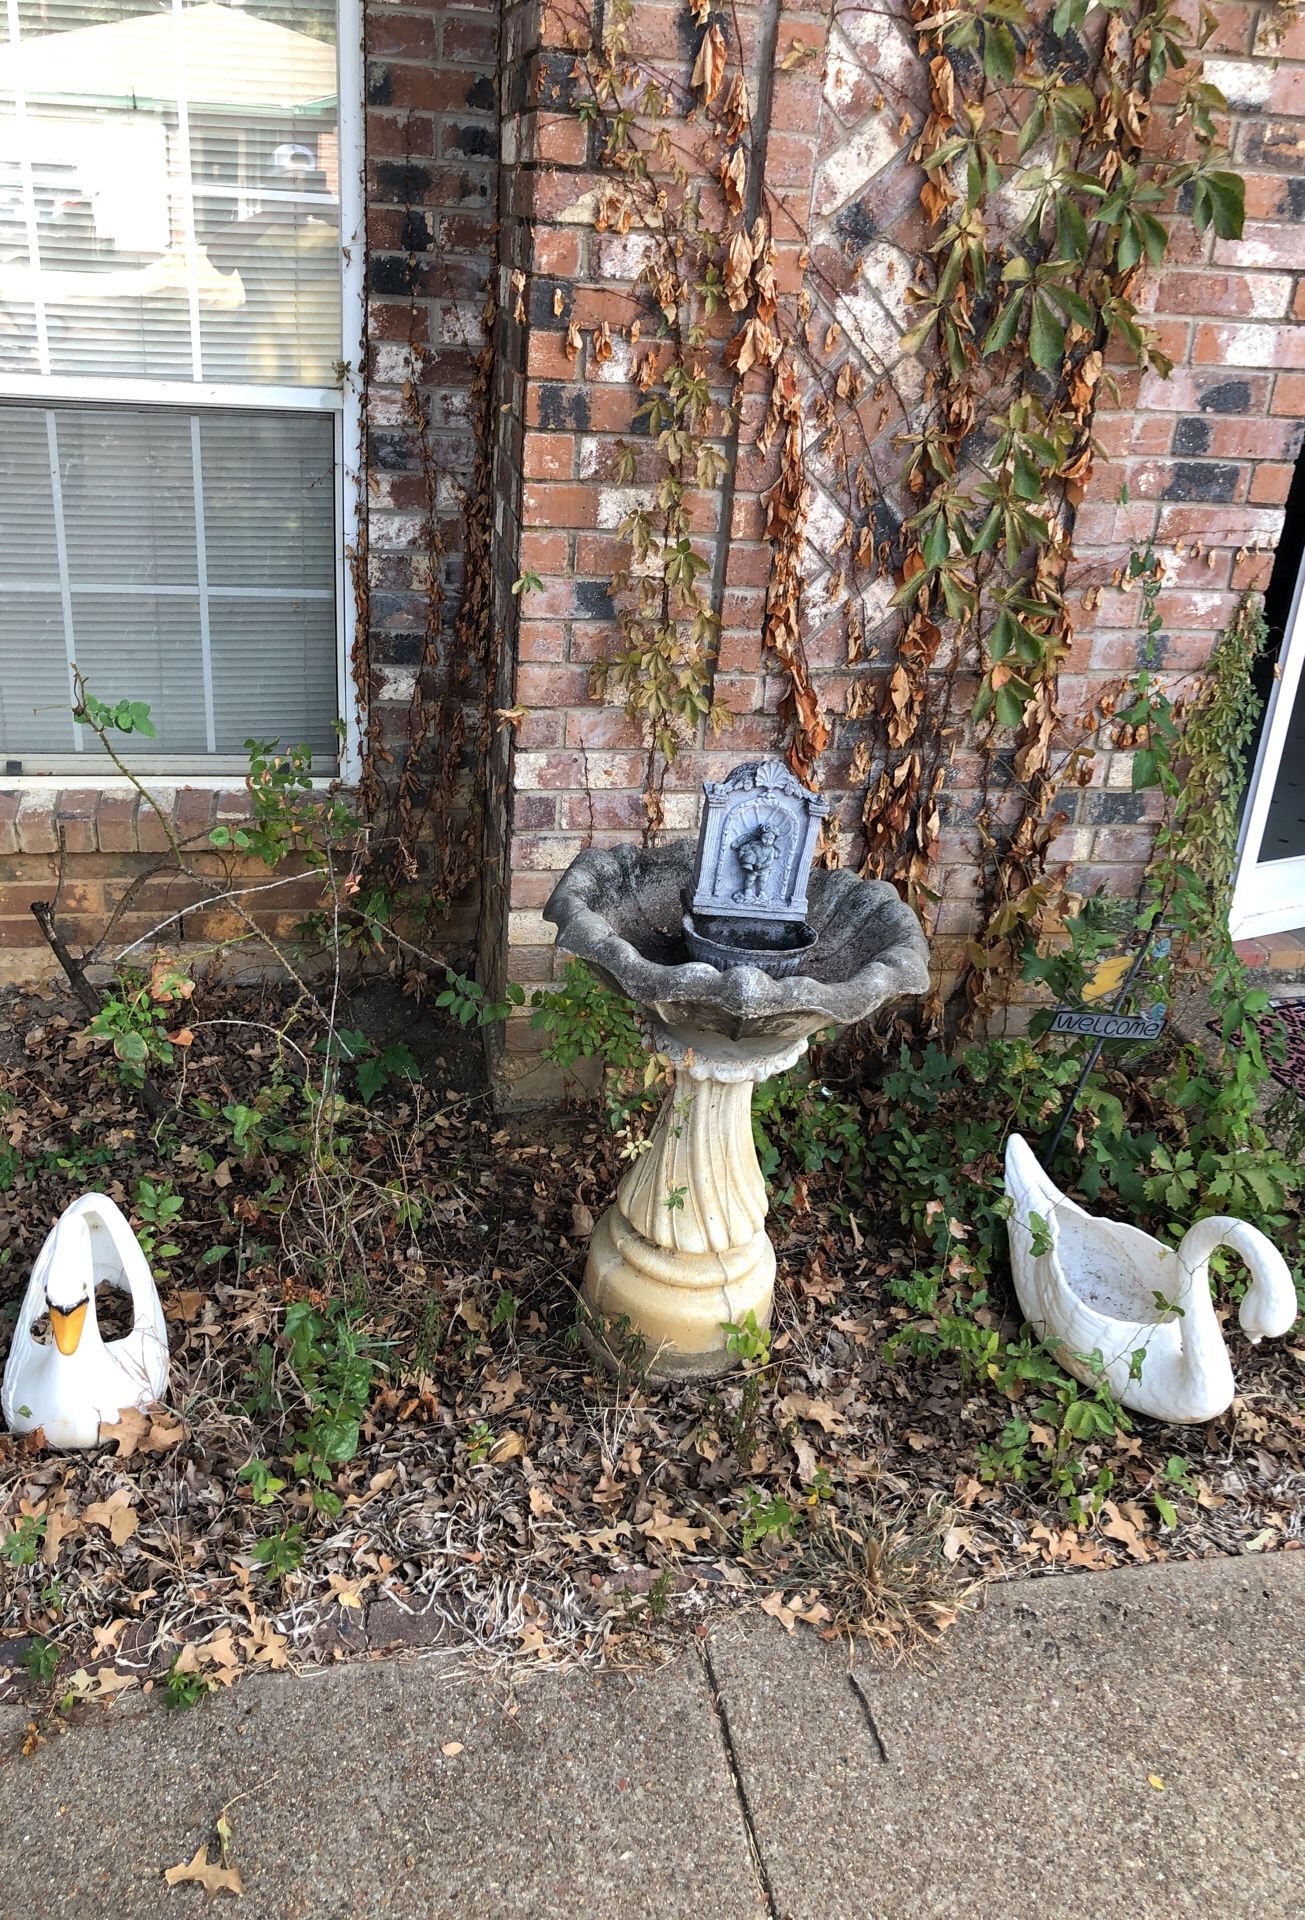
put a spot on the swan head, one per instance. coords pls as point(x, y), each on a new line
point(1269, 1306)
point(70, 1284)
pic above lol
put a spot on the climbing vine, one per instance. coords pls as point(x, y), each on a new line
point(1024, 319)
point(707, 289)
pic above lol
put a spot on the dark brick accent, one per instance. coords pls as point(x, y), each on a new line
point(1203, 480)
point(562, 407)
point(594, 600)
point(1192, 435)
point(1229, 396)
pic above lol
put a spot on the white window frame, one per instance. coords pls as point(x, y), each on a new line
point(1269, 895)
point(90, 769)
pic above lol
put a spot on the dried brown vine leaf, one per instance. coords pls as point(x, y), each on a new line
point(735, 111)
point(733, 179)
point(756, 345)
point(709, 67)
point(573, 343)
point(763, 269)
point(602, 343)
point(738, 271)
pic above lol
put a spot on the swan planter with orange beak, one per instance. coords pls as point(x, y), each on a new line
point(1100, 1292)
point(74, 1381)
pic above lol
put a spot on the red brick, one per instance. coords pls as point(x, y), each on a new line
point(549, 456)
point(35, 823)
point(549, 686)
point(472, 42)
point(554, 504)
point(1289, 395)
point(543, 551)
point(548, 359)
point(1252, 572)
point(17, 926)
point(561, 139)
point(557, 252)
point(400, 136)
point(1265, 295)
point(415, 36)
point(1249, 346)
point(540, 640)
point(1287, 91)
point(1271, 483)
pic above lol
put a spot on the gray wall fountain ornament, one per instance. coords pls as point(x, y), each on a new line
point(734, 954)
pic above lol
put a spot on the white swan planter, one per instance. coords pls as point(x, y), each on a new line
point(72, 1382)
point(1102, 1287)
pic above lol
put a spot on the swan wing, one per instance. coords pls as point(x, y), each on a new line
point(107, 1219)
point(142, 1355)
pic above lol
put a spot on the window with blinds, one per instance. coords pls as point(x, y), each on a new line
point(170, 374)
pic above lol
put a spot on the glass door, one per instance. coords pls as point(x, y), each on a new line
point(1269, 896)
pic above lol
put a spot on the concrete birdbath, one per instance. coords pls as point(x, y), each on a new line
point(734, 954)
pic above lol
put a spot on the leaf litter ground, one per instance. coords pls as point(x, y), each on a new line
point(508, 1500)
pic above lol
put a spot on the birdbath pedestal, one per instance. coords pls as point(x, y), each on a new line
point(683, 1252)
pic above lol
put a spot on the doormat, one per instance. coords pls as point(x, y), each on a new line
point(1288, 1015)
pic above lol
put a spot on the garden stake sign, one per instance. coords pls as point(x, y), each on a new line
point(1113, 1025)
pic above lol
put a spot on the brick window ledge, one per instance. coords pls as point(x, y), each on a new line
point(88, 846)
point(79, 820)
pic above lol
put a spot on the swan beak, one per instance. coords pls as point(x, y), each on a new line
point(67, 1327)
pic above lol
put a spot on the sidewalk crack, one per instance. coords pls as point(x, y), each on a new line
point(869, 1713)
point(740, 1791)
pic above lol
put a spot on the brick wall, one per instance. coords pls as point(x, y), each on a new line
point(1206, 456)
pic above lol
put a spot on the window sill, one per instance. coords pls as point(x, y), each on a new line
point(45, 816)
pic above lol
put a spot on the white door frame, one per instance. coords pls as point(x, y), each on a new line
point(1269, 896)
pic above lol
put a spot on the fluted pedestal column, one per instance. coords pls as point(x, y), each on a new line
point(683, 1250)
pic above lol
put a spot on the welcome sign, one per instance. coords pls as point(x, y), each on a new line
point(1110, 1026)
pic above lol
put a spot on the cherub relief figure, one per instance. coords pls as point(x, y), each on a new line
point(756, 854)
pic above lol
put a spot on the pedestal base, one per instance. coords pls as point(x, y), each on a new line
point(676, 1304)
point(683, 1251)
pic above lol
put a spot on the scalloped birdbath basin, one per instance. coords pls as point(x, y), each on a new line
point(683, 1249)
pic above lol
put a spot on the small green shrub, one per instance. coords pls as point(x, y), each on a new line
point(41, 1660)
point(587, 1021)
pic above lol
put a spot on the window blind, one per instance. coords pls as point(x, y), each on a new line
point(178, 558)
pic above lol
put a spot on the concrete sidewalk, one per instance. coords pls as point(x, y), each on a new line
point(1010, 1776)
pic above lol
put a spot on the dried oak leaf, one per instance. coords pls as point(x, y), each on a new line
point(209, 1874)
point(137, 1432)
point(773, 1604)
point(668, 1532)
point(709, 67)
point(115, 1515)
point(823, 1412)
